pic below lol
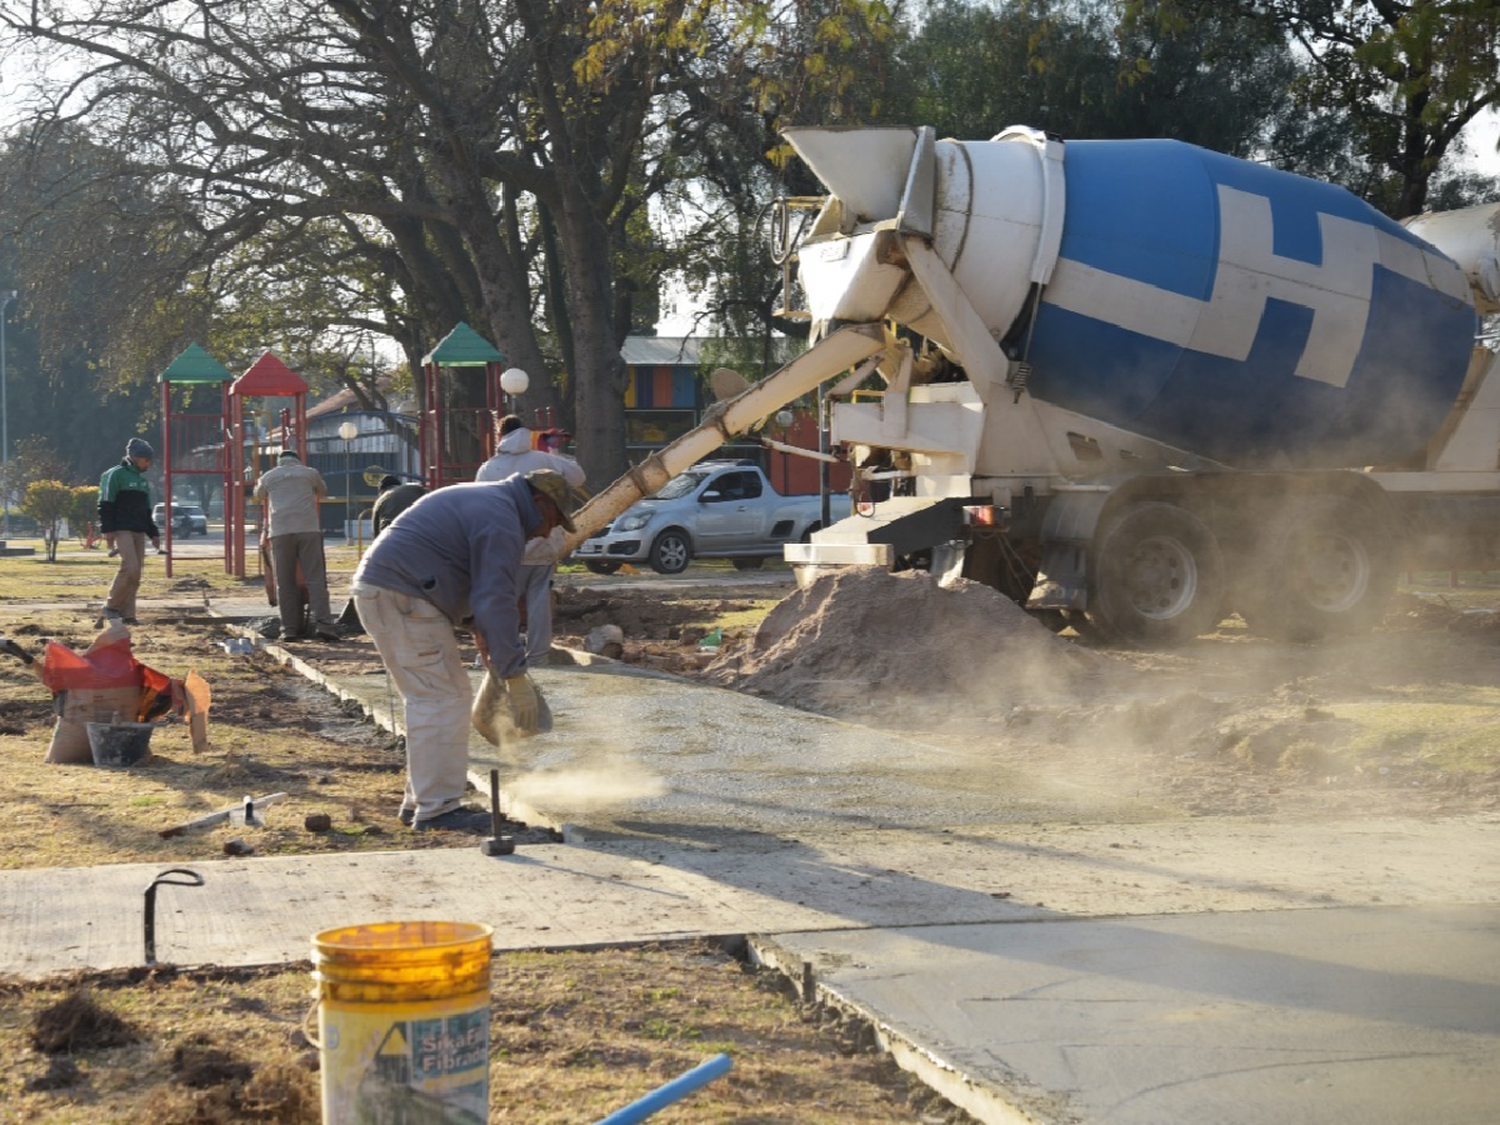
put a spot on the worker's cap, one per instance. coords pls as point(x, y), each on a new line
point(289, 455)
point(551, 485)
point(390, 480)
point(139, 447)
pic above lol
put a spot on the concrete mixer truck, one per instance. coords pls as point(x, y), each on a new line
point(1136, 385)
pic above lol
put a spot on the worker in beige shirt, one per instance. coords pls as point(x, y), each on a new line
point(291, 492)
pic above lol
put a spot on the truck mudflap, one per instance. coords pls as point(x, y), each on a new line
point(1062, 581)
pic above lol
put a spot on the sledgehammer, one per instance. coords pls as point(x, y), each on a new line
point(497, 844)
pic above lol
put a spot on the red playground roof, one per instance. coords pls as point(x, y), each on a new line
point(269, 376)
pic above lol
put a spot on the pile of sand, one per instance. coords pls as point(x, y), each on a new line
point(898, 649)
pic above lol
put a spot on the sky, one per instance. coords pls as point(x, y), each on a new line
point(1482, 136)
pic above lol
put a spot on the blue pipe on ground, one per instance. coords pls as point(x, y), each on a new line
point(664, 1096)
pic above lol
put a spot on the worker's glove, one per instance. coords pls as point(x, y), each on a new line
point(509, 709)
point(525, 702)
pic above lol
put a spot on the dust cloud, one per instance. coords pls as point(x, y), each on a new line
point(588, 788)
point(964, 664)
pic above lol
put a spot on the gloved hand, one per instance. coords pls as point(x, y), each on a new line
point(524, 703)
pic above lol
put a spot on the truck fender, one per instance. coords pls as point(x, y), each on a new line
point(1067, 531)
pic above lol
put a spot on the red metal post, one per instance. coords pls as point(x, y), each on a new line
point(166, 465)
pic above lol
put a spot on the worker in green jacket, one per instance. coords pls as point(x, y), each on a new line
point(126, 523)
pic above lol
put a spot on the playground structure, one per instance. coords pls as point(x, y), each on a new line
point(259, 434)
point(457, 431)
point(193, 443)
point(264, 411)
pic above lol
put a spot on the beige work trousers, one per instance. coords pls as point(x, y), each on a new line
point(288, 552)
point(417, 644)
point(132, 548)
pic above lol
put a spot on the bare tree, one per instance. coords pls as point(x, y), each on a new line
point(489, 160)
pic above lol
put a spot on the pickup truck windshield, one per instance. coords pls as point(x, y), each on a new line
point(679, 486)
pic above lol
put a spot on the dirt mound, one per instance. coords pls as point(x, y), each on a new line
point(77, 1023)
point(901, 650)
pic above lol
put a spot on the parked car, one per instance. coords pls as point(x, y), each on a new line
point(715, 510)
point(187, 519)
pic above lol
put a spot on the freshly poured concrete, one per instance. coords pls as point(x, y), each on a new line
point(642, 755)
point(1318, 1017)
point(1038, 953)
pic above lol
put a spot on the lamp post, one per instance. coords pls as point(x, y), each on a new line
point(348, 431)
point(6, 297)
point(784, 419)
point(513, 382)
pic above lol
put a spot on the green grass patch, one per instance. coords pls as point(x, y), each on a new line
point(1459, 734)
point(80, 573)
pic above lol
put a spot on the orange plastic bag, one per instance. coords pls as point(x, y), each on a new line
point(107, 665)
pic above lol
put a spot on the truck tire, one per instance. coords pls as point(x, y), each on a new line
point(1326, 567)
point(1158, 577)
point(671, 552)
point(601, 567)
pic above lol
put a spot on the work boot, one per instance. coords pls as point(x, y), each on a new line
point(406, 816)
point(327, 631)
point(456, 820)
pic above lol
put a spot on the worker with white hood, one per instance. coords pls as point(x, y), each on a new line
point(516, 455)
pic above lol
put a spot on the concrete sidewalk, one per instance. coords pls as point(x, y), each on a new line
point(1042, 953)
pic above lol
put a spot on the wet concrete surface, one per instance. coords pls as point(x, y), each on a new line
point(644, 755)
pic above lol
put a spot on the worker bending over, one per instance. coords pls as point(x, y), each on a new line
point(453, 560)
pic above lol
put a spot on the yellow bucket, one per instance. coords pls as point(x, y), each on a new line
point(404, 1021)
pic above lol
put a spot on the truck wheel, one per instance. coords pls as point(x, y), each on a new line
point(601, 567)
point(671, 552)
point(1158, 577)
point(749, 564)
point(1326, 567)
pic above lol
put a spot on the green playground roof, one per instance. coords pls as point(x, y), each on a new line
point(463, 347)
point(194, 365)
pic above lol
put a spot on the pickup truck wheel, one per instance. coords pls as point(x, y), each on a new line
point(1326, 567)
point(1158, 577)
point(748, 564)
point(601, 567)
point(671, 552)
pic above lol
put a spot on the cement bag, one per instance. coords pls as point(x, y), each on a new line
point(76, 708)
point(491, 713)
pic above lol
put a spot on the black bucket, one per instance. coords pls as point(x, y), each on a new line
point(119, 744)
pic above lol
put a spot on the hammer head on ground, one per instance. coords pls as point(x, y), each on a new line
point(498, 845)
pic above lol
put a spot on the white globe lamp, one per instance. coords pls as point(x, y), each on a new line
point(514, 381)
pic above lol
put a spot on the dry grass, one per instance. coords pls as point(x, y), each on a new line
point(573, 1037)
point(270, 731)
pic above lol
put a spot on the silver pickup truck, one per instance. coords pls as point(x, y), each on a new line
point(714, 510)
